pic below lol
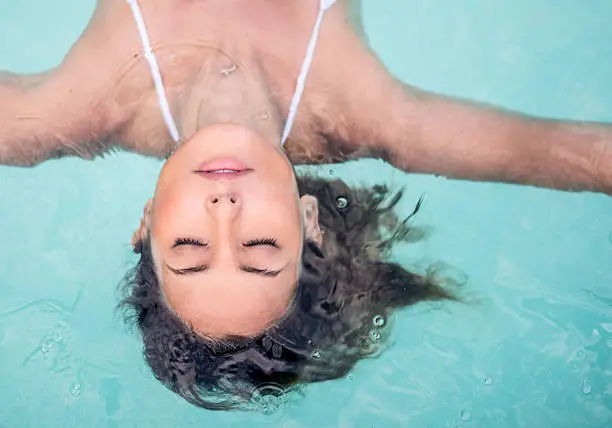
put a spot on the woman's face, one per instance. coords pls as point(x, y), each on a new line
point(227, 227)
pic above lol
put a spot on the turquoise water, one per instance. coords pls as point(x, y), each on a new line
point(534, 350)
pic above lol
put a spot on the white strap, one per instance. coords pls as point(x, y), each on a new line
point(157, 79)
point(159, 85)
point(301, 81)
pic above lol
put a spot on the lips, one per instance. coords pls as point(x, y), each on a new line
point(229, 164)
point(223, 169)
point(222, 174)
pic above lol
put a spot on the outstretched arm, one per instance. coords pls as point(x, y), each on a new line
point(458, 139)
point(422, 132)
point(64, 111)
point(40, 119)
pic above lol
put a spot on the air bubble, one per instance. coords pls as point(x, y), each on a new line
point(379, 321)
point(47, 346)
point(350, 377)
point(609, 343)
point(269, 397)
point(610, 238)
point(49, 342)
point(586, 387)
point(487, 381)
point(341, 202)
point(316, 354)
point(331, 171)
point(269, 404)
point(374, 336)
point(75, 389)
point(465, 415)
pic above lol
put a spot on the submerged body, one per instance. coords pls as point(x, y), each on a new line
point(237, 62)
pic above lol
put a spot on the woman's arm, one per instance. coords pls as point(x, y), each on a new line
point(422, 132)
point(458, 139)
point(70, 110)
point(43, 117)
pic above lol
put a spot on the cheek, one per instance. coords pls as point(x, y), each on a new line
point(175, 207)
point(279, 218)
point(277, 206)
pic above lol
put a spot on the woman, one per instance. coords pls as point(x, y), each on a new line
point(210, 341)
point(236, 276)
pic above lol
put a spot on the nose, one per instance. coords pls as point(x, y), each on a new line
point(224, 210)
point(224, 202)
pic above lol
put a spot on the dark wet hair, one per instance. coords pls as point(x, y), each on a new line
point(346, 293)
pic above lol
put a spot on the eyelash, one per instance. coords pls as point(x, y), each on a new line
point(266, 241)
point(252, 243)
point(188, 241)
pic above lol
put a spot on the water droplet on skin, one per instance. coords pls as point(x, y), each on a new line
point(586, 387)
point(374, 336)
point(341, 202)
point(75, 390)
point(466, 415)
point(379, 321)
point(487, 381)
point(316, 354)
point(229, 70)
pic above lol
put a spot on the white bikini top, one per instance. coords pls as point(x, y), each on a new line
point(159, 84)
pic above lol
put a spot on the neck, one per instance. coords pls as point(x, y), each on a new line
point(233, 94)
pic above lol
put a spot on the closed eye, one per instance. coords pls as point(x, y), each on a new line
point(188, 271)
point(263, 272)
point(188, 241)
point(263, 241)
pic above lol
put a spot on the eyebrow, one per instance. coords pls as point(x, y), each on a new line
point(248, 269)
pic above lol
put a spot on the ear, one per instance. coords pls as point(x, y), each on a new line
point(143, 230)
point(310, 212)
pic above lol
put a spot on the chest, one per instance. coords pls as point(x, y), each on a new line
point(241, 64)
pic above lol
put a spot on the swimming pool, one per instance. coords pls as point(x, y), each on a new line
point(534, 349)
